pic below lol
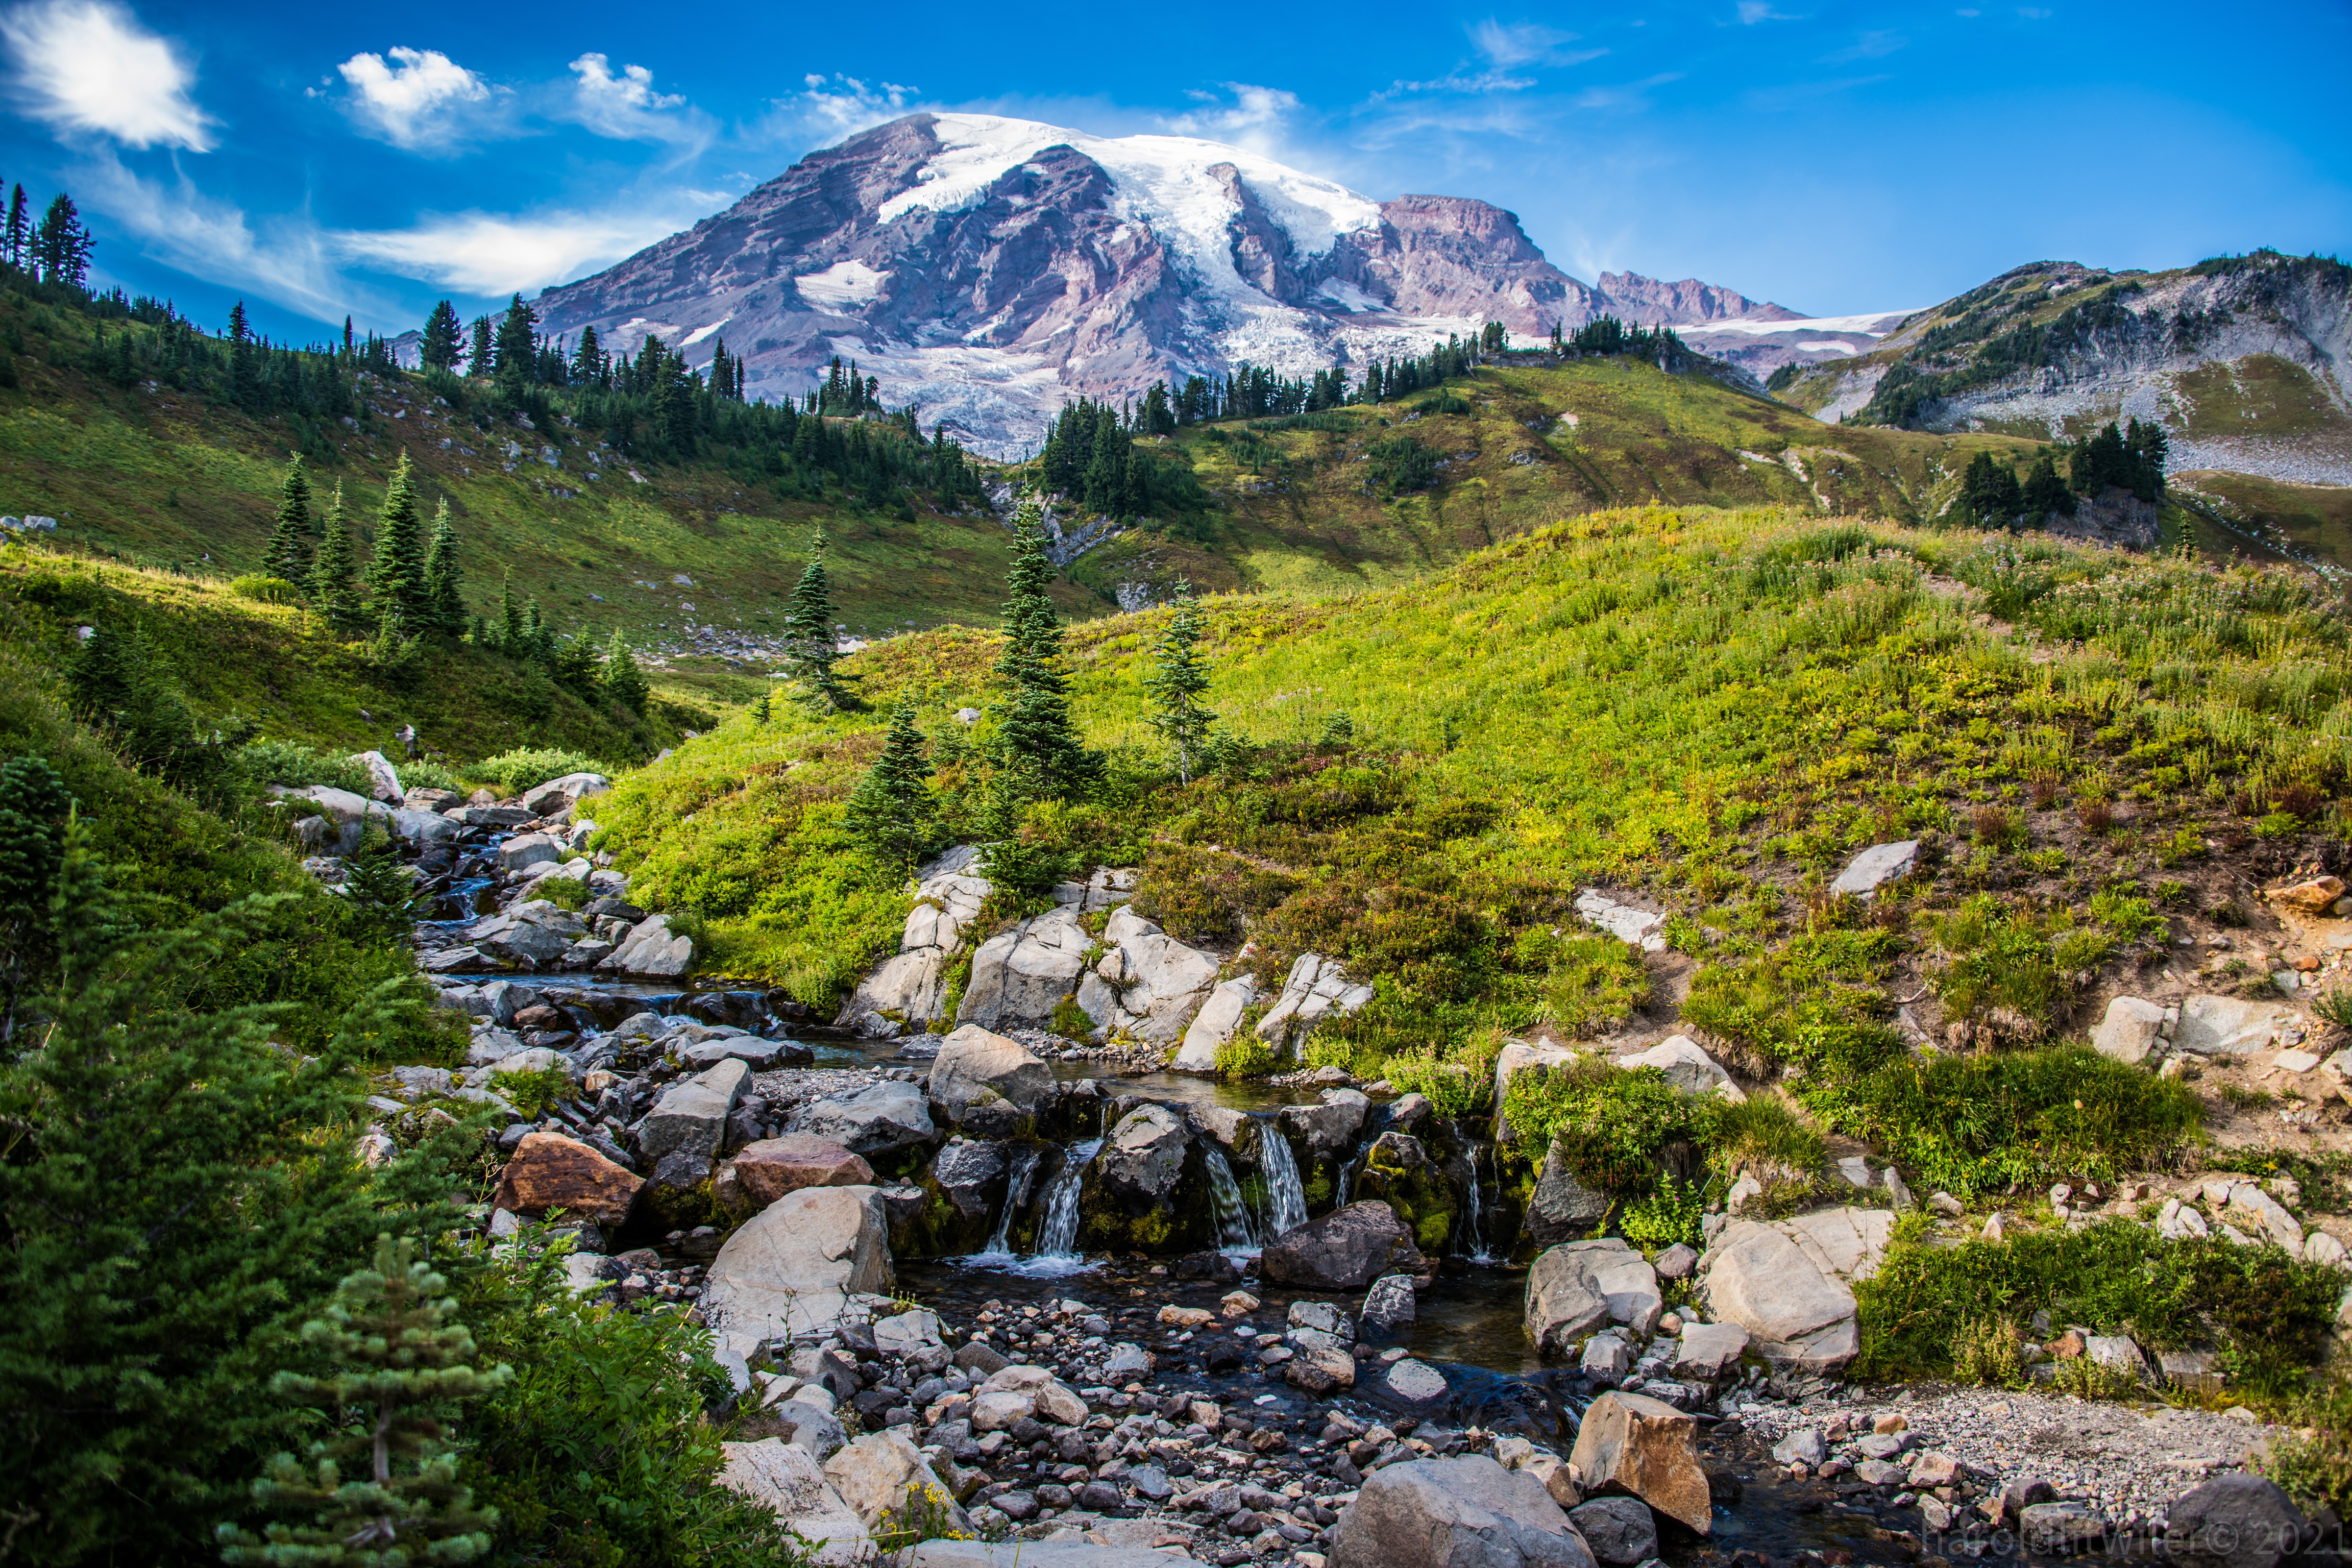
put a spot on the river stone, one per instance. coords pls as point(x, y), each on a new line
point(1018, 976)
point(2230, 1026)
point(1687, 1067)
point(1388, 1305)
point(877, 1120)
point(650, 949)
point(788, 1270)
point(1708, 1350)
point(1468, 1513)
point(1634, 1445)
point(1414, 1387)
point(963, 1171)
point(525, 850)
point(1332, 1126)
point(1804, 1447)
point(692, 1113)
point(548, 1171)
point(1213, 1025)
point(770, 1168)
point(1618, 1529)
point(1320, 1369)
point(1144, 1156)
point(991, 1086)
point(876, 1473)
point(1563, 1301)
point(2234, 1522)
point(1759, 1277)
point(1344, 1250)
point(785, 1478)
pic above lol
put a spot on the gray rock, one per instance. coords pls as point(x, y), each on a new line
point(1144, 1156)
point(1805, 1446)
point(1709, 1350)
point(1213, 1024)
point(1149, 1482)
point(790, 1269)
point(1468, 1513)
point(1330, 1128)
point(1388, 1305)
point(1687, 1067)
point(2059, 1526)
point(1676, 1262)
point(691, 1114)
point(2234, 1522)
point(525, 850)
point(811, 1427)
point(1344, 1250)
point(1563, 1301)
point(754, 1052)
point(1414, 1387)
point(1618, 1529)
point(1149, 985)
point(963, 1171)
point(879, 1120)
point(2230, 1026)
point(1800, 1314)
point(1315, 988)
point(1562, 1208)
point(651, 949)
point(1875, 866)
point(991, 1086)
point(1018, 976)
point(2133, 1027)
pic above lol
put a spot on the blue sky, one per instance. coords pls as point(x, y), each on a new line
point(1835, 158)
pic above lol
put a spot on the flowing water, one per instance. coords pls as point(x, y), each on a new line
point(1474, 1213)
point(1057, 1227)
point(1235, 1234)
point(1023, 1170)
point(1286, 1196)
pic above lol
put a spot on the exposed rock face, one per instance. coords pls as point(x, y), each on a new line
point(906, 990)
point(534, 932)
point(874, 1122)
point(1149, 985)
point(1687, 1067)
point(1019, 975)
point(789, 1269)
point(1331, 1127)
point(772, 1167)
point(549, 1172)
point(991, 1086)
point(1563, 1207)
point(1344, 1250)
point(1316, 986)
point(1875, 866)
point(965, 1171)
point(1455, 1513)
point(1214, 1025)
point(1635, 1446)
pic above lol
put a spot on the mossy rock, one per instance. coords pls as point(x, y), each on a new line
point(940, 1229)
point(1186, 1222)
point(682, 1209)
point(1422, 1198)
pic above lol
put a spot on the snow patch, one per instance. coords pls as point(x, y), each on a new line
point(1348, 297)
point(1827, 346)
point(1876, 324)
point(843, 284)
point(700, 333)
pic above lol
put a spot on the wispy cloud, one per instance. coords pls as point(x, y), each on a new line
point(1508, 44)
point(1252, 116)
point(1869, 46)
point(179, 226)
point(1754, 11)
point(835, 106)
point(493, 253)
point(625, 108)
point(419, 100)
point(89, 68)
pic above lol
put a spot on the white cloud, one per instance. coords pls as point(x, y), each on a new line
point(89, 67)
point(209, 238)
point(838, 105)
point(1754, 11)
point(625, 107)
point(1519, 43)
point(416, 101)
point(1254, 119)
point(489, 253)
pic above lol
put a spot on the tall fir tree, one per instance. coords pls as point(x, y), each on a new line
point(1034, 732)
point(332, 592)
point(810, 647)
point(402, 1361)
point(445, 580)
point(892, 810)
point(514, 351)
point(481, 350)
point(62, 245)
point(445, 338)
point(1178, 678)
point(623, 681)
point(395, 577)
point(288, 555)
point(18, 236)
point(509, 627)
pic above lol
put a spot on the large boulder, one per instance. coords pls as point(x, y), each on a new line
point(1787, 1285)
point(1633, 1445)
point(557, 796)
point(788, 1270)
point(770, 1168)
point(651, 949)
point(548, 1171)
point(1574, 1289)
point(1687, 1067)
point(1315, 988)
point(1331, 1127)
point(1144, 1154)
point(1149, 985)
point(524, 850)
point(877, 1120)
point(535, 932)
point(2230, 1026)
point(1562, 1207)
point(887, 1481)
point(692, 1113)
point(1619, 1530)
point(965, 1170)
point(384, 781)
point(1345, 1250)
point(991, 1086)
point(1213, 1024)
point(2234, 1522)
point(907, 990)
point(786, 1480)
point(1020, 975)
point(1468, 1513)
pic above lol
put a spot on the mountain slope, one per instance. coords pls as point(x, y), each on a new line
point(988, 268)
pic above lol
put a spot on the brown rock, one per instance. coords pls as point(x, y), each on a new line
point(1346, 1249)
point(1635, 1446)
point(2311, 898)
point(1320, 1371)
point(2066, 1346)
point(772, 1167)
point(549, 1171)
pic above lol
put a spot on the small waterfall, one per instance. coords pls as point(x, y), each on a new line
point(1286, 1196)
point(1235, 1231)
point(1057, 1231)
point(1347, 1179)
point(1474, 1214)
point(1016, 1194)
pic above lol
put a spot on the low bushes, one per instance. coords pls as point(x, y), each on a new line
point(510, 772)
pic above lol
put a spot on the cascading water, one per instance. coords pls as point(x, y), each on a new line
point(1057, 1231)
point(1016, 1193)
point(1474, 1213)
point(1286, 1196)
point(1235, 1231)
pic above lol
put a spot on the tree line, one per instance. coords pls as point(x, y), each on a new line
point(2129, 459)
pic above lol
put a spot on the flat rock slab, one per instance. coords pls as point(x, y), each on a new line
point(1468, 1513)
point(548, 1171)
point(1877, 866)
point(770, 1168)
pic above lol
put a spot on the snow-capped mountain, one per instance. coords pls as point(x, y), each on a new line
point(989, 268)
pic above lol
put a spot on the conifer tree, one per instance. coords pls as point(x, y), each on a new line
point(288, 555)
point(18, 236)
point(445, 338)
point(35, 811)
point(331, 589)
point(510, 627)
point(892, 811)
point(514, 349)
point(62, 245)
point(1035, 733)
point(623, 681)
point(443, 579)
point(2046, 493)
point(1178, 678)
point(402, 1361)
point(395, 577)
point(480, 352)
point(810, 647)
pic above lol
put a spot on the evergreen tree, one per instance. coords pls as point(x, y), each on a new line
point(288, 555)
point(1178, 678)
point(444, 581)
point(509, 627)
point(1990, 492)
point(18, 236)
point(118, 685)
point(623, 681)
point(1036, 731)
point(395, 577)
point(243, 382)
point(402, 1361)
point(811, 649)
point(515, 352)
point(331, 588)
point(892, 811)
point(62, 245)
point(481, 351)
point(445, 338)
point(588, 360)
point(2045, 494)
point(35, 812)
